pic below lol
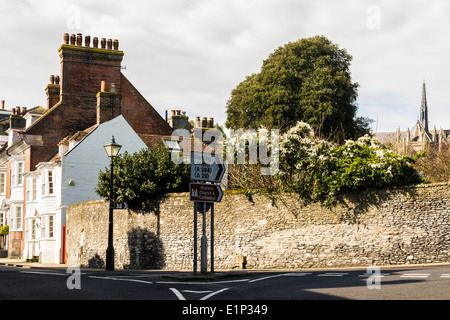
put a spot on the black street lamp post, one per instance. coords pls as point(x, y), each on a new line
point(112, 149)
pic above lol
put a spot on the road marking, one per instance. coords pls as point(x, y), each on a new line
point(49, 273)
point(213, 294)
point(209, 282)
point(445, 275)
point(333, 274)
point(194, 291)
point(368, 275)
point(181, 297)
point(296, 274)
point(178, 294)
point(118, 279)
point(415, 275)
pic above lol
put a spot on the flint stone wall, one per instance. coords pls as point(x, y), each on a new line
point(408, 225)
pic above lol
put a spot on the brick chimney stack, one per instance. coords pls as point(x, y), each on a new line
point(83, 67)
point(178, 120)
point(109, 104)
point(16, 124)
point(53, 91)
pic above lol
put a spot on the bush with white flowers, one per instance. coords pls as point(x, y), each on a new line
point(318, 169)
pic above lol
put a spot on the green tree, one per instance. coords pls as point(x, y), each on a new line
point(4, 231)
point(142, 177)
point(308, 80)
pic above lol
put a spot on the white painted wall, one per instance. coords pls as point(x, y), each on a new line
point(83, 163)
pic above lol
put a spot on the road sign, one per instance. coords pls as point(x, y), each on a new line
point(202, 192)
point(120, 205)
point(201, 170)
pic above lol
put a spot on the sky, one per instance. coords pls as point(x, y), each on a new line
point(190, 54)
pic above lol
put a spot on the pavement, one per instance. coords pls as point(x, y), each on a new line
point(183, 275)
point(171, 274)
point(24, 264)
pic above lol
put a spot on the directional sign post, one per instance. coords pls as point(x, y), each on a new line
point(205, 168)
point(202, 192)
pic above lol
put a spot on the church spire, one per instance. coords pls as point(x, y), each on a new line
point(424, 110)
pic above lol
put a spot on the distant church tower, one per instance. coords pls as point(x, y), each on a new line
point(419, 137)
point(424, 110)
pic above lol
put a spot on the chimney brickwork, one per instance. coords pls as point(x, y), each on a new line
point(82, 102)
point(108, 103)
point(53, 91)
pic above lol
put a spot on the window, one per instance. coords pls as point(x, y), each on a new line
point(43, 186)
point(13, 175)
point(2, 219)
point(43, 226)
point(33, 189)
point(2, 183)
point(20, 173)
point(50, 182)
point(27, 229)
point(18, 218)
point(50, 226)
point(33, 229)
point(17, 174)
point(28, 190)
point(47, 185)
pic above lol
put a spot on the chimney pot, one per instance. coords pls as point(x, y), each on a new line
point(116, 44)
point(211, 122)
point(204, 122)
point(95, 42)
point(109, 44)
point(18, 110)
point(178, 112)
point(174, 112)
point(87, 41)
point(57, 80)
point(3, 104)
point(103, 86)
point(103, 43)
point(13, 111)
point(72, 39)
point(52, 79)
point(79, 39)
point(66, 38)
point(114, 88)
point(24, 110)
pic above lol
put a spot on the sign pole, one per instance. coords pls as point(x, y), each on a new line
point(212, 237)
point(203, 194)
point(195, 238)
point(204, 244)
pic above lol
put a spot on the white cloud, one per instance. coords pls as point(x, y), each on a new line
point(190, 54)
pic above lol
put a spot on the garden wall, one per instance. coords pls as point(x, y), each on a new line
point(381, 227)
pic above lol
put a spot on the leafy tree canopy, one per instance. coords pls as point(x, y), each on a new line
point(142, 177)
point(308, 80)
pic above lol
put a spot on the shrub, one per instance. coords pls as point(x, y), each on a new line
point(318, 169)
point(142, 177)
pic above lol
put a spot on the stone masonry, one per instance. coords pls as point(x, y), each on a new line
point(408, 225)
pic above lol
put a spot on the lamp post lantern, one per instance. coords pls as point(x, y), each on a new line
point(112, 149)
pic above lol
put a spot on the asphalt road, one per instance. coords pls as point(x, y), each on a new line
point(431, 283)
point(232, 296)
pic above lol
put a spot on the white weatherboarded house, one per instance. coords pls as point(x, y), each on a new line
point(82, 163)
point(69, 178)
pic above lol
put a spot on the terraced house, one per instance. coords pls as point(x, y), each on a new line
point(90, 91)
